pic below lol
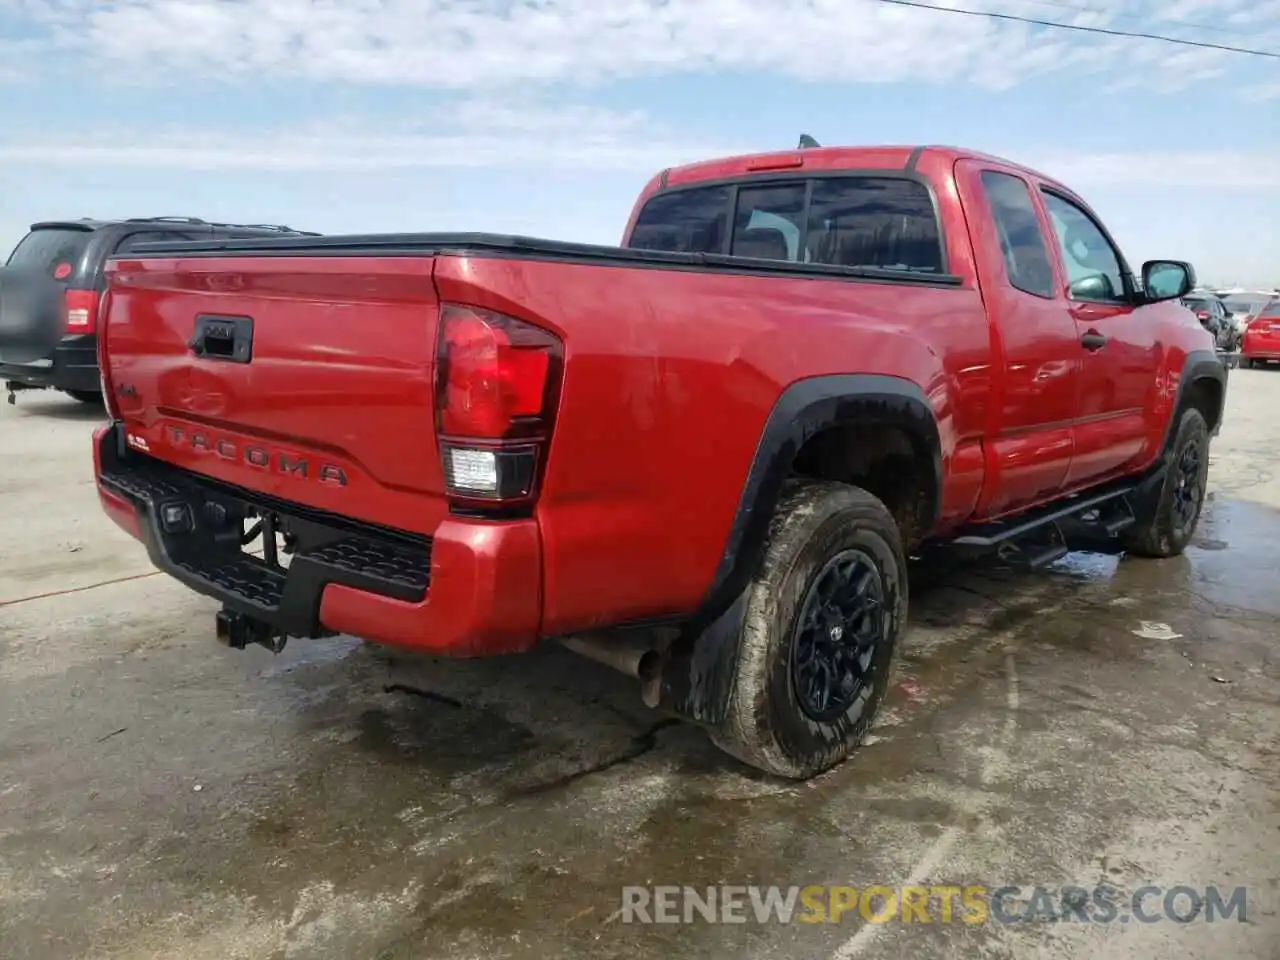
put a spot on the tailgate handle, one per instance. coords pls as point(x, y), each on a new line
point(223, 338)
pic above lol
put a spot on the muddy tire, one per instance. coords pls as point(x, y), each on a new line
point(1180, 497)
point(1245, 363)
point(92, 397)
point(823, 616)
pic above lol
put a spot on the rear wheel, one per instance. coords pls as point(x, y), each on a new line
point(1245, 363)
point(86, 396)
point(1179, 499)
point(817, 642)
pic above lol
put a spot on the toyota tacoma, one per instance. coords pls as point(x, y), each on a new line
point(703, 456)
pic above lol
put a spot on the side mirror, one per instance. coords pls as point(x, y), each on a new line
point(1167, 279)
point(1096, 286)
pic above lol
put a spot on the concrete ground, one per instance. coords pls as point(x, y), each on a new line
point(161, 796)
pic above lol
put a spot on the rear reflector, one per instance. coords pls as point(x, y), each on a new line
point(82, 311)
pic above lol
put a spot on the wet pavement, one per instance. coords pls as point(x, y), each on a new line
point(161, 796)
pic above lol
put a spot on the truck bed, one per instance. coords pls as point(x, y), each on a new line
point(525, 248)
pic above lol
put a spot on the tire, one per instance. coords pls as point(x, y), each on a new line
point(820, 532)
point(1176, 510)
point(1245, 363)
point(86, 396)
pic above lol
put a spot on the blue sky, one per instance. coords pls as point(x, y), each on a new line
point(546, 116)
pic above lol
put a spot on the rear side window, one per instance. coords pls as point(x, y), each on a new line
point(1271, 311)
point(1026, 257)
point(56, 251)
point(684, 221)
point(887, 223)
point(883, 222)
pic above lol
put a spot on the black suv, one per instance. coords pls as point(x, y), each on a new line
point(74, 252)
point(1214, 317)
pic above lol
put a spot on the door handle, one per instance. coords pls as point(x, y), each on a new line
point(223, 338)
point(1093, 341)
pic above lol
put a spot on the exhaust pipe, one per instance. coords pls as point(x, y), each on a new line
point(635, 656)
point(636, 653)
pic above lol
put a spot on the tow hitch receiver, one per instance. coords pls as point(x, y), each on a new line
point(237, 630)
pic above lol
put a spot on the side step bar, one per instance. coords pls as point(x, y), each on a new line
point(997, 532)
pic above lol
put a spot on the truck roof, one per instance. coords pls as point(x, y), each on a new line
point(899, 157)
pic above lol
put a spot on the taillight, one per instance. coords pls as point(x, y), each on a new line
point(497, 385)
point(82, 311)
point(104, 369)
point(1202, 315)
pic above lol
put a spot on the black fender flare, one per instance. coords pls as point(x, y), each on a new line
point(700, 666)
point(1198, 367)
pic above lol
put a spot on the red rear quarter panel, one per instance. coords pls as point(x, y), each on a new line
point(670, 377)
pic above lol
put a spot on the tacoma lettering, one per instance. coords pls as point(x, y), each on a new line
point(256, 455)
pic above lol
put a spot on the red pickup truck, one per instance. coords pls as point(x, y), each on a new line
point(704, 456)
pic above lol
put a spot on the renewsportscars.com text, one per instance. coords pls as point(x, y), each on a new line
point(971, 904)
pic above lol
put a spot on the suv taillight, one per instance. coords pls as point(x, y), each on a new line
point(497, 387)
point(82, 311)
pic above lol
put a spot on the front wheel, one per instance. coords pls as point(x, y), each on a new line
point(823, 616)
point(1172, 517)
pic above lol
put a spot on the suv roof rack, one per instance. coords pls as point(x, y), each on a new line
point(165, 220)
point(276, 227)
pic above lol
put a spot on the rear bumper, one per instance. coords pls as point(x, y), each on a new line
point(472, 589)
point(73, 365)
point(1260, 346)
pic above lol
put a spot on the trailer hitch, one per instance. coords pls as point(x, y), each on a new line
point(237, 630)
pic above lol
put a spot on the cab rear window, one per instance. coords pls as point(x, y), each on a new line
point(881, 222)
point(56, 251)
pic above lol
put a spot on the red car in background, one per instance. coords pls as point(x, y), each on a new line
point(1261, 340)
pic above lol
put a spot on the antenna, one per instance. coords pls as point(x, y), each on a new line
point(807, 142)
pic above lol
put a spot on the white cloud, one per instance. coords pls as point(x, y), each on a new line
point(1262, 92)
point(470, 44)
point(1218, 170)
point(529, 134)
point(521, 134)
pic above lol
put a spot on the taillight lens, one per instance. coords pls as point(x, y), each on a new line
point(104, 368)
point(82, 311)
point(497, 385)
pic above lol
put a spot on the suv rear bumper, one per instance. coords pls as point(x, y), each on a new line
point(73, 365)
point(471, 589)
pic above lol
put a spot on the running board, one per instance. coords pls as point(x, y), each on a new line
point(1002, 531)
point(1045, 556)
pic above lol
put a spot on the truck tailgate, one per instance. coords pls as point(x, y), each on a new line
point(305, 378)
